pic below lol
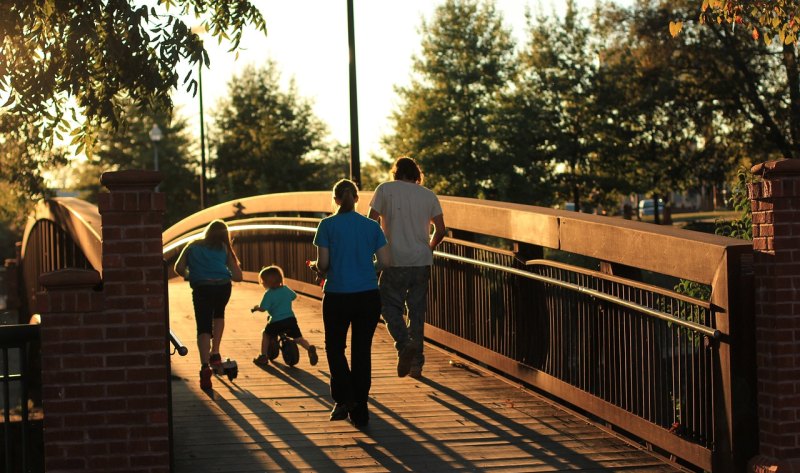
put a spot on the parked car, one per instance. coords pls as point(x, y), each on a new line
point(647, 207)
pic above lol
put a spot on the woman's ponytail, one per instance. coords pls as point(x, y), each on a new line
point(345, 192)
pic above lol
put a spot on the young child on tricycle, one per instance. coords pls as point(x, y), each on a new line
point(282, 327)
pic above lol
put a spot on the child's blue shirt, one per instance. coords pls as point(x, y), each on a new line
point(278, 303)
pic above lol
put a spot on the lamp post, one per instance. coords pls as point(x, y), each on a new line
point(202, 139)
point(155, 137)
point(355, 162)
point(199, 30)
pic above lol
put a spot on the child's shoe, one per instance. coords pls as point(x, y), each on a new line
point(261, 360)
point(312, 355)
point(205, 378)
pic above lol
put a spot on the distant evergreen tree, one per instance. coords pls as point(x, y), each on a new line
point(130, 147)
point(265, 140)
point(448, 112)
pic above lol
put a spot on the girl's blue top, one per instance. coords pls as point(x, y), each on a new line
point(207, 264)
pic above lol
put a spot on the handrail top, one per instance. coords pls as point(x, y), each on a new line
point(663, 249)
point(79, 218)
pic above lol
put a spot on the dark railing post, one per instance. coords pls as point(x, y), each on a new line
point(735, 416)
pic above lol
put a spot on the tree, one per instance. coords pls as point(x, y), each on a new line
point(22, 164)
point(61, 58)
point(686, 117)
point(765, 19)
point(266, 140)
point(130, 147)
point(577, 107)
point(446, 116)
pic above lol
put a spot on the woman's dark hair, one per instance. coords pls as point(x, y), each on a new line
point(346, 191)
point(406, 169)
point(216, 235)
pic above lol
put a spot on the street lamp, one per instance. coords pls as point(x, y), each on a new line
point(155, 137)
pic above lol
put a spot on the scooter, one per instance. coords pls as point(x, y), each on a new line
point(228, 368)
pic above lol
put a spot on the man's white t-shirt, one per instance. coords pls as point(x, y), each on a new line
point(406, 210)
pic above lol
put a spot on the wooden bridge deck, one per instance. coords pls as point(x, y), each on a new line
point(454, 419)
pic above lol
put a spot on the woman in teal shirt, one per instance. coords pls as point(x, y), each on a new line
point(210, 265)
point(346, 243)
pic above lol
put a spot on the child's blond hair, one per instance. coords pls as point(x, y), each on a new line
point(271, 270)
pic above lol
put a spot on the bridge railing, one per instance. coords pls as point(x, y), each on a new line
point(674, 371)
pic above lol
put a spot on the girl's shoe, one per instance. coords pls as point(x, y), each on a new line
point(261, 360)
point(215, 360)
point(205, 378)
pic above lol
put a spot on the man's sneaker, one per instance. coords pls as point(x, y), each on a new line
point(404, 359)
point(415, 372)
point(205, 378)
point(261, 360)
point(359, 415)
point(340, 411)
point(312, 355)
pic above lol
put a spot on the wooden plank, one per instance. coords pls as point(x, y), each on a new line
point(454, 419)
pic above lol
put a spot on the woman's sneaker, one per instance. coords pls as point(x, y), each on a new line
point(340, 411)
point(359, 414)
point(205, 378)
point(312, 355)
point(261, 360)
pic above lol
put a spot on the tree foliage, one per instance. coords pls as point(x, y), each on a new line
point(763, 19)
point(130, 147)
point(59, 59)
point(22, 164)
point(267, 140)
point(449, 110)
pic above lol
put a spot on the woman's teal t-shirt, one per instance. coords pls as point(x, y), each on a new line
point(207, 264)
point(351, 239)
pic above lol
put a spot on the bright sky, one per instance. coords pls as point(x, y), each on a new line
point(308, 41)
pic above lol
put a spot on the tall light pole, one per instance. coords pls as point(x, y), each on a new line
point(199, 30)
point(355, 163)
point(155, 137)
point(202, 140)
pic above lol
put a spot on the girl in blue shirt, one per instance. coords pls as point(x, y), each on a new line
point(346, 243)
point(210, 265)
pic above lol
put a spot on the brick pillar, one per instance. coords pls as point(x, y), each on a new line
point(107, 354)
point(775, 201)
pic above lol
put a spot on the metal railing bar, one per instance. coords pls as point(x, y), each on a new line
point(240, 228)
point(7, 413)
point(713, 333)
point(612, 278)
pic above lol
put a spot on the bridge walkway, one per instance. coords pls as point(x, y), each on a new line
point(457, 418)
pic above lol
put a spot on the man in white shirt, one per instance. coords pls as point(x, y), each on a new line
point(406, 210)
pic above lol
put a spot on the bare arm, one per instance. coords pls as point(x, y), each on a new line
point(323, 260)
point(438, 231)
point(374, 214)
point(234, 265)
point(384, 258)
point(180, 265)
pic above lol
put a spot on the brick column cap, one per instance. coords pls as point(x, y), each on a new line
point(775, 169)
point(65, 279)
point(133, 179)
